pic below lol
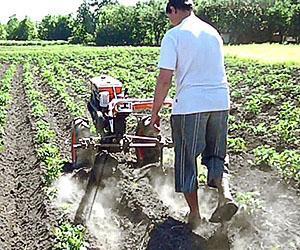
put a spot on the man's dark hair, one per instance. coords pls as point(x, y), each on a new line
point(179, 5)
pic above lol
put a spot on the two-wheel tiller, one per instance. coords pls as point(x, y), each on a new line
point(110, 107)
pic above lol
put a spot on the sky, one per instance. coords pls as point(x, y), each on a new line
point(37, 9)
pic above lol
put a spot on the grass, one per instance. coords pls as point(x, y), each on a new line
point(268, 53)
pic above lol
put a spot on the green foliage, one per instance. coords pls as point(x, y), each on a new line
point(265, 155)
point(12, 28)
point(85, 25)
point(56, 27)
point(249, 201)
point(26, 30)
point(47, 152)
point(97, 5)
point(288, 162)
point(150, 22)
point(113, 32)
point(5, 99)
point(38, 108)
point(50, 156)
point(60, 87)
point(255, 102)
point(31, 43)
point(106, 23)
point(144, 24)
point(66, 235)
point(259, 129)
point(288, 123)
point(70, 237)
point(237, 145)
point(44, 134)
point(251, 21)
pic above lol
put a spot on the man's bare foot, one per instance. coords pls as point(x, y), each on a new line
point(194, 220)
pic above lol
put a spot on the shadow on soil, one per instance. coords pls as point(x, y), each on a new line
point(173, 234)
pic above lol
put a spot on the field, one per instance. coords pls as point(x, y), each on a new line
point(275, 53)
point(44, 88)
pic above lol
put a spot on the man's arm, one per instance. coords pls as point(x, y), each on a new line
point(163, 84)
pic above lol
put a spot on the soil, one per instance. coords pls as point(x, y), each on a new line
point(276, 224)
point(3, 69)
point(24, 219)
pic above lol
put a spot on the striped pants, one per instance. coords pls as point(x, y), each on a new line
point(202, 133)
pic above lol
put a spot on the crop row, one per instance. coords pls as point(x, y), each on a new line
point(67, 236)
point(45, 137)
point(50, 74)
point(5, 99)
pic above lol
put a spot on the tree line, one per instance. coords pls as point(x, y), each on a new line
point(105, 22)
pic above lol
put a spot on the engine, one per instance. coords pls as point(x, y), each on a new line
point(107, 120)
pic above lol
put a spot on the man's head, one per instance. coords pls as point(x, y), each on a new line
point(177, 10)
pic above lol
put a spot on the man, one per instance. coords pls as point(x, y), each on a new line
point(192, 50)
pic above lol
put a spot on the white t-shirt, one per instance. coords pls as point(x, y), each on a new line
point(194, 49)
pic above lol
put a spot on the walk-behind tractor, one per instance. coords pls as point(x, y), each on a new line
point(110, 108)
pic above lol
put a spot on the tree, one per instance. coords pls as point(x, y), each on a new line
point(152, 20)
point(12, 27)
point(144, 24)
point(246, 21)
point(64, 27)
point(115, 26)
point(277, 18)
point(85, 24)
point(56, 27)
point(293, 20)
point(46, 27)
point(26, 30)
point(86, 18)
point(97, 5)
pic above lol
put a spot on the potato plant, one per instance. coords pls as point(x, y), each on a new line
point(69, 236)
point(287, 162)
point(5, 99)
point(249, 201)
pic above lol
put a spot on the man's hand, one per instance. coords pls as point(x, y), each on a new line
point(155, 122)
